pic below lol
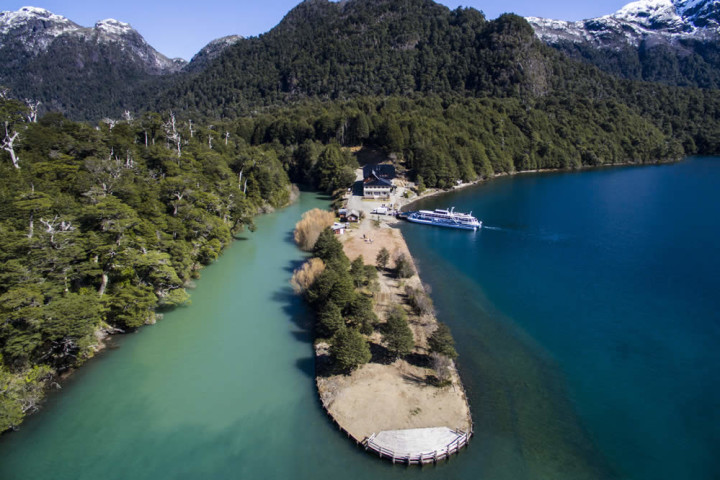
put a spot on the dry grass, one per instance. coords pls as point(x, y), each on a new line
point(304, 276)
point(308, 229)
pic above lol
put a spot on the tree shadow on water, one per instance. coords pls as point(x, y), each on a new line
point(295, 307)
point(306, 365)
point(294, 265)
point(289, 237)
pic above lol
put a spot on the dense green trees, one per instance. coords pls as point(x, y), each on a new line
point(99, 227)
point(341, 298)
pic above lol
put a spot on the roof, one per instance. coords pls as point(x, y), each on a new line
point(377, 182)
point(384, 170)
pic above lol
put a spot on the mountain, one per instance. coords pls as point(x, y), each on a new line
point(211, 51)
point(82, 72)
point(676, 42)
point(335, 50)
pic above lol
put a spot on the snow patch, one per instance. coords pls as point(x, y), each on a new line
point(51, 24)
point(111, 26)
point(660, 20)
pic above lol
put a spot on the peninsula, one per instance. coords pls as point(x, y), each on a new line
point(408, 407)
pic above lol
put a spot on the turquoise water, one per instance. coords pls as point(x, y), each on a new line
point(610, 277)
point(586, 324)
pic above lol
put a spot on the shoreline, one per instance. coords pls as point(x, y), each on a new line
point(104, 334)
point(394, 410)
point(432, 192)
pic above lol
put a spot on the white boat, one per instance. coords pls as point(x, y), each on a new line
point(445, 218)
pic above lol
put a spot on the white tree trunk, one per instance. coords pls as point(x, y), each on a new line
point(8, 145)
point(33, 106)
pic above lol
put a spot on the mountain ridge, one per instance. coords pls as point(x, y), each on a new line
point(83, 72)
point(668, 41)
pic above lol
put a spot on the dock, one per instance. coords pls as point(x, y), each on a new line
point(417, 446)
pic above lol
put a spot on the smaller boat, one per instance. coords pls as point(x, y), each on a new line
point(445, 218)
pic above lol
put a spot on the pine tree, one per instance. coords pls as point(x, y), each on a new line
point(397, 334)
point(350, 349)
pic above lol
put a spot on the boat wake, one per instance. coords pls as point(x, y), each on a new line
point(543, 236)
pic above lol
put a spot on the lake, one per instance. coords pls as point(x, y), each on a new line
point(585, 316)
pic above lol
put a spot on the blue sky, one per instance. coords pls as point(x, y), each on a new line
point(179, 28)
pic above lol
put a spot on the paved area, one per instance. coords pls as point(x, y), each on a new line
point(416, 441)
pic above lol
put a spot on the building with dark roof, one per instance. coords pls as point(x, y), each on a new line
point(377, 182)
point(384, 170)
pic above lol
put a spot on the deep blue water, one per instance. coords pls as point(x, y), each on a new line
point(587, 318)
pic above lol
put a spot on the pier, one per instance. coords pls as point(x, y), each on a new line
point(417, 446)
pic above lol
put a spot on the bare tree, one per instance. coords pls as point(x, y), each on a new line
point(172, 133)
point(127, 116)
point(190, 126)
point(110, 122)
point(8, 144)
point(443, 368)
point(33, 106)
point(227, 135)
point(106, 173)
point(56, 227)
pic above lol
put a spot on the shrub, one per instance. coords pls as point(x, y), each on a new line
point(382, 258)
point(419, 301)
point(403, 267)
point(443, 369)
point(308, 229)
point(306, 275)
point(442, 342)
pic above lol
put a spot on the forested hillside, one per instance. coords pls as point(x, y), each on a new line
point(329, 51)
point(101, 226)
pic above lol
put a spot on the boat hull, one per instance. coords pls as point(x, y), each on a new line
point(411, 218)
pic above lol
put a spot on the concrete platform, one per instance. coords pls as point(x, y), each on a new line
point(419, 445)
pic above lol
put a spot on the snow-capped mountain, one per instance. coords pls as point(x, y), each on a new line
point(211, 51)
point(666, 21)
point(35, 30)
point(670, 41)
point(84, 72)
